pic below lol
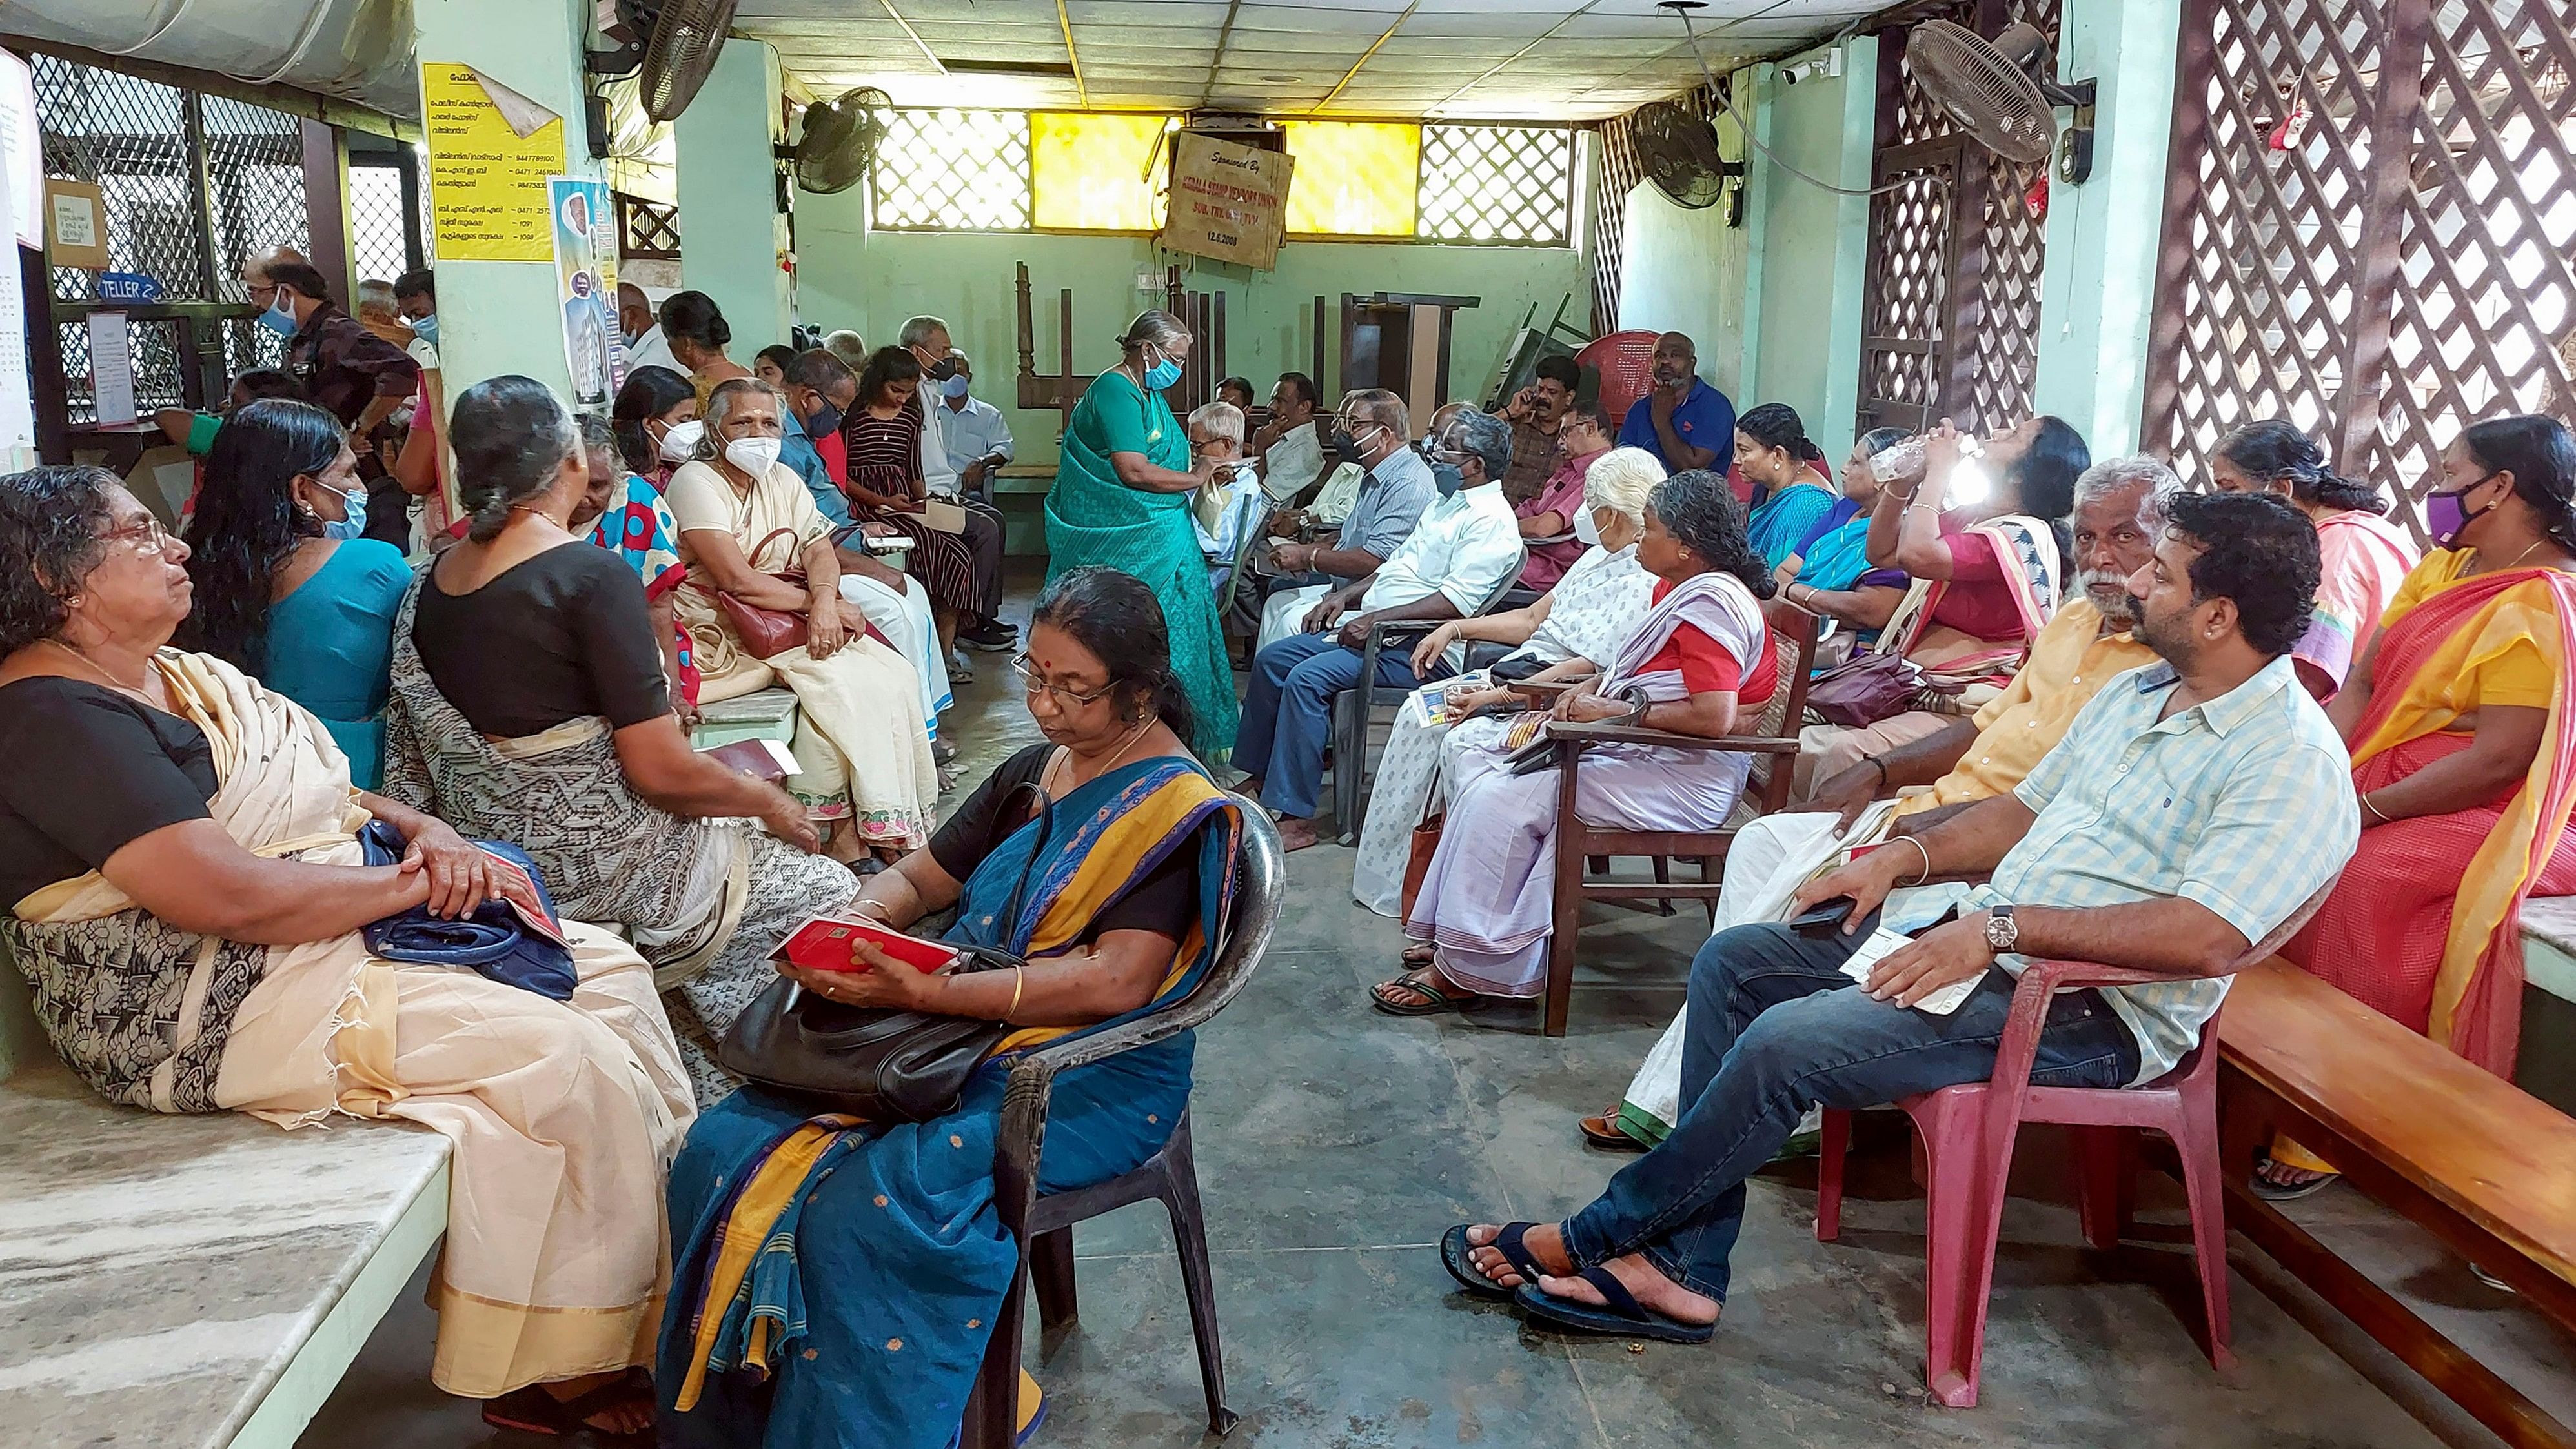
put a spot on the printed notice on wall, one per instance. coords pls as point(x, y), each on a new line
point(17, 404)
point(487, 180)
point(111, 368)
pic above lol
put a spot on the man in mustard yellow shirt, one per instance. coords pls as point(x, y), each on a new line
point(1973, 758)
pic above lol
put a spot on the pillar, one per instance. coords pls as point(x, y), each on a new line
point(2097, 292)
point(1806, 281)
point(497, 317)
point(731, 233)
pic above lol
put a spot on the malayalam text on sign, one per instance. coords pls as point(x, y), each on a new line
point(487, 183)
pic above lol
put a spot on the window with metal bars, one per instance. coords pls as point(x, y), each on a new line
point(383, 228)
point(194, 184)
point(2368, 228)
point(952, 171)
point(1510, 184)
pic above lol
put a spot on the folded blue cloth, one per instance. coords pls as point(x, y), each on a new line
point(491, 940)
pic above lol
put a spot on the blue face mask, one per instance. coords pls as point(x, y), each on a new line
point(1447, 477)
point(956, 386)
point(1162, 375)
point(825, 422)
point(279, 318)
point(426, 328)
point(354, 523)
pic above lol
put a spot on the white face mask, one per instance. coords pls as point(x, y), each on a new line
point(1587, 527)
point(752, 455)
point(680, 443)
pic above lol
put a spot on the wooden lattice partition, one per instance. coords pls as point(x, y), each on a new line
point(2367, 228)
point(1950, 314)
point(1621, 174)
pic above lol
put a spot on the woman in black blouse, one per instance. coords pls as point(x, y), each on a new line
point(178, 843)
point(530, 705)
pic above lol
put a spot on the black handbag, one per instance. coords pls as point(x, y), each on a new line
point(875, 1062)
point(871, 1061)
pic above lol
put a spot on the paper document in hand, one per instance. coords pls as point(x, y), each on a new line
point(1883, 941)
point(767, 759)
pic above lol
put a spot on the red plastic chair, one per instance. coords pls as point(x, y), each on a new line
point(1968, 1133)
point(1626, 364)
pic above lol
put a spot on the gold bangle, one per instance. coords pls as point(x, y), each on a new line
point(2384, 817)
point(1019, 983)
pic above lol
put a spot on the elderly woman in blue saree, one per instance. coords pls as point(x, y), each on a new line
point(1124, 484)
point(837, 1280)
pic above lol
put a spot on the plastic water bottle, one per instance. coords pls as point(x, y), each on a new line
point(1904, 459)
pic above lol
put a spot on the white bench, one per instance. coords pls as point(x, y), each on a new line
point(188, 1282)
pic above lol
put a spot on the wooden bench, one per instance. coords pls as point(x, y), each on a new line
point(188, 1282)
point(2474, 1160)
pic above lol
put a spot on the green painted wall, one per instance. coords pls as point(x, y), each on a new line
point(725, 178)
point(2099, 289)
point(1814, 244)
point(848, 276)
point(486, 309)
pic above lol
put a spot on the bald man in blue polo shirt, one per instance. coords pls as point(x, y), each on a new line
point(1683, 421)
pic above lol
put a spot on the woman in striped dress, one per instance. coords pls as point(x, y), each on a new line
point(883, 434)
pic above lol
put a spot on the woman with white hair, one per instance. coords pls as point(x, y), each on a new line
point(1563, 636)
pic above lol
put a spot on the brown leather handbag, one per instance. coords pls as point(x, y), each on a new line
point(765, 632)
point(1426, 843)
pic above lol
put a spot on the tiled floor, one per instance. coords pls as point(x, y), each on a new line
point(1335, 1144)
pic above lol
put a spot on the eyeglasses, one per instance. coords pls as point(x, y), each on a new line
point(1036, 684)
point(148, 537)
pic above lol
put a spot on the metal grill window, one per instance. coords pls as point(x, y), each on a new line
point(379, 234)
point(129, 136)
point(255, 170)
point(1497, 184)
point(953, 171)
point(2367, 228)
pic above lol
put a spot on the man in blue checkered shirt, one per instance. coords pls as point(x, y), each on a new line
point(2194, 805)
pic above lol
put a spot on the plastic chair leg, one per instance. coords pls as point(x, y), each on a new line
point(2203, 1182)
point(1350, 757)
point(991, 1420)
point(1189, 1240)
point(1829, 1174)
point(2105, 1167)
point(1051, 1276)
point(1959, 1219)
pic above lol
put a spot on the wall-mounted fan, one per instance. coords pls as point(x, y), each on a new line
point(2003, 92)
point(840, 140)
point(1679, 152)
point(669, 45)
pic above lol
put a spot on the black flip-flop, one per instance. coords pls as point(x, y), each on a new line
point(1439, 1002)
point(531, 1410)
point(1624, 1318)
point(1454, 1249)
point(2270, 1191)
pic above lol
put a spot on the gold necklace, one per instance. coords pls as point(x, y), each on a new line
point(1065, 760)
point(138, 690)
point(2518, 558)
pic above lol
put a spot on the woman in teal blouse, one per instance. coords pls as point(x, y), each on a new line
point(1122, 493)
point(286, 590)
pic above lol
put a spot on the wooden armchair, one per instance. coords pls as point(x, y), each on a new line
point(1774, 739)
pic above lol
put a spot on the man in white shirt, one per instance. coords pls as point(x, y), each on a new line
point(1466, 547)
point(1288, 447)
point(926, 338)
point(979, 439)
point(645, 346)
point(1224, 513)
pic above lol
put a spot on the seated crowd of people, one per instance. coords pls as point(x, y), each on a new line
point(2076, 710)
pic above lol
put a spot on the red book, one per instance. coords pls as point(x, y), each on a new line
point(762, 758)
point(823, 944)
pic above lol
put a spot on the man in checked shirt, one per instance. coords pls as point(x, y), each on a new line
point(2194, 805)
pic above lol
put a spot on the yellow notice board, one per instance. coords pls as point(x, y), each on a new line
point(487, 183)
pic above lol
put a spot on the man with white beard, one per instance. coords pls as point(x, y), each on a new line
point(1974, 758)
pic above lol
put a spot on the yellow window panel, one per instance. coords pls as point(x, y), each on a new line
point(1091, 171)
point(1354, 178)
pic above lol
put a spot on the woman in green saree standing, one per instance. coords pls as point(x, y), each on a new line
point(1122, 494)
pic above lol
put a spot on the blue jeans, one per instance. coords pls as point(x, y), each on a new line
point(1288, 713)
point(1775, 1028)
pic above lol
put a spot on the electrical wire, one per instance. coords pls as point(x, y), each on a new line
point(1745, 128)
point(312, 32)
point(159, 30)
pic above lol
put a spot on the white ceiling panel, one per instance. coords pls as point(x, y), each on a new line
point(1521, 59)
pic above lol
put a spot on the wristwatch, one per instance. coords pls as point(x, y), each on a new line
point(2001, 929)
